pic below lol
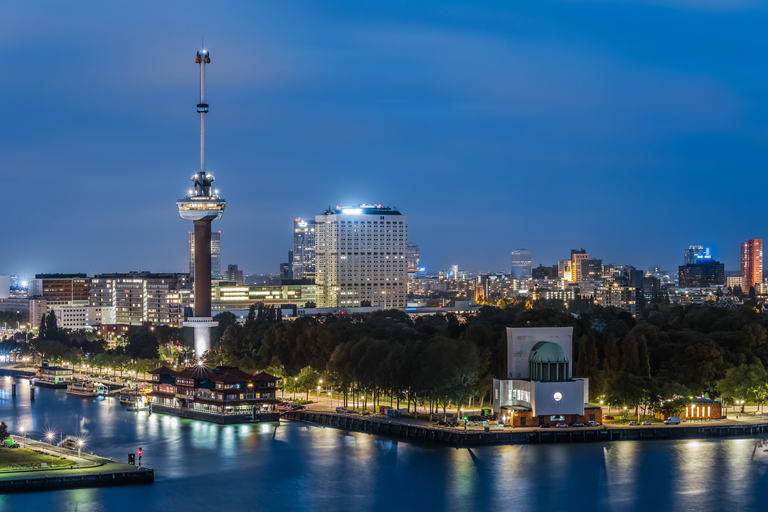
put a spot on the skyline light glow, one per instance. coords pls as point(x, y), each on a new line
point(630, 129)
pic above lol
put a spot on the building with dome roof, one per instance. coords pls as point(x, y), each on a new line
point(539, 387)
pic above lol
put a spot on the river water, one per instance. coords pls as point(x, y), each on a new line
point(293, 466)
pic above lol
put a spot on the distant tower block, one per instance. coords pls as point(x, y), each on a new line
point(202, 206)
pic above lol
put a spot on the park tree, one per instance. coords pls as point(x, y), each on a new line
point(743, 382)
point(51, 327)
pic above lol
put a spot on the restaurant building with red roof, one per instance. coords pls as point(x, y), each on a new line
point(225, 394)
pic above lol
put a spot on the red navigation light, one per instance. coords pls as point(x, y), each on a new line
point(139, 452)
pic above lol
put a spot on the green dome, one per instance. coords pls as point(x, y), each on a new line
point(547, 352)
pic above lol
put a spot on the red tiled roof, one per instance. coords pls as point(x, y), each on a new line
point(264, 377)
point(196, 373)
point(231, 375)
point(163, 370)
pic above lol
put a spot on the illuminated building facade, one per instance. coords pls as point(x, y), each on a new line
point(539, 387)
point(577, 256)
point(303, 249)
point(521, 263)
point(700, 275)
point(361, 257)
point(62, 290)
point(229, 297)
point(139, 297)
point(694, 253)
point(223, 395)
point(413, 259)
point(751, 263)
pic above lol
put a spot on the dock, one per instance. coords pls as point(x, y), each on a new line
point(380, 425)
point(93, 471)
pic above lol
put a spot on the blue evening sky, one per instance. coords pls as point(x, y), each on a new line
point(632, 129)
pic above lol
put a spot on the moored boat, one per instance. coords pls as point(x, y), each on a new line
point(82, 388)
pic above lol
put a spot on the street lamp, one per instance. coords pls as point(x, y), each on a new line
point(50, 440)
point(22, 429)
point(318, 394)
point(79, 446)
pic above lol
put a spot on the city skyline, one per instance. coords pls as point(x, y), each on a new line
point(306, 99)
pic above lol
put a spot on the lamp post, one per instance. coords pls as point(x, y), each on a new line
point(295, 379)
point(22, 429)
point(79, 446)
point(50, 441)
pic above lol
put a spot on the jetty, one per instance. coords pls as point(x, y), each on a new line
point(381, 425)
point(65, 470)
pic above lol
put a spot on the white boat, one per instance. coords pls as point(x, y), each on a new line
point(82, 388)
point(101, 389)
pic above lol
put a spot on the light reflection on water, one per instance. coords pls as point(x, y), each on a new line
point(300, 467)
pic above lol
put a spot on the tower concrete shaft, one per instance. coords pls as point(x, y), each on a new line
point(202, 268)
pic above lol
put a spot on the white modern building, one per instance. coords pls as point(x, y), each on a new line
point(361, 257)
point(540, 387)
point(84, 317)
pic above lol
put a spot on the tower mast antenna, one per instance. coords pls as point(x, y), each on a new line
point(202, 59)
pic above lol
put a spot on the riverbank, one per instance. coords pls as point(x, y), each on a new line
point(66, 470)
point(383, 426)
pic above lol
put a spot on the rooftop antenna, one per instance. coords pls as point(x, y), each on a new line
point(202, 181)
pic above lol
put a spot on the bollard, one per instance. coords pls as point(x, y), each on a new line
point(32, 393)
point(13, 389)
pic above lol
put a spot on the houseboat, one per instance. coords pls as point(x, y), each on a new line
point(54, 376)
point(82, 388)
point(223, 395)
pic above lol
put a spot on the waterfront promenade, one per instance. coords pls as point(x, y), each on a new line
point(67, 470)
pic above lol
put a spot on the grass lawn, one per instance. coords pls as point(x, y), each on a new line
point(13, 458)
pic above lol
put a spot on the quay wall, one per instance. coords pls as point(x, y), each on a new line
point(498, 436)
point(50, 482)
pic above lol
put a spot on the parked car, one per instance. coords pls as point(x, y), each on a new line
point(633, 423)
point(544, 425)
point(15, 445)
point(442, 423)
point(562, 425)
point(606, 417)
point(646, 422)
point(577, 424)
point(593, 424)
point(674, 420)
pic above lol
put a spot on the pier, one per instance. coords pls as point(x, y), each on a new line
point(380, 425)
point(72, 471)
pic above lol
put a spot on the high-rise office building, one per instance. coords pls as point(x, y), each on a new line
point(234, 275)
point(412, 258)
point(591, 269)
point(751, 263)
point(694, 253)
point(215, 255)
point(521, 264)
point(303, 249)
point(700, 275)
point(564, 270)
point(577, 255)
point(361, 257)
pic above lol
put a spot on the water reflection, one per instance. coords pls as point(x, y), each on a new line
point(299, 467)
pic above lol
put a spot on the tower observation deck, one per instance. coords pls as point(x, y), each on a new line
point(202, 205)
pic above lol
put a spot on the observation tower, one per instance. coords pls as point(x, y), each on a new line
point(202, 206)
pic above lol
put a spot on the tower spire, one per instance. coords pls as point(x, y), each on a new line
point(202, 59)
